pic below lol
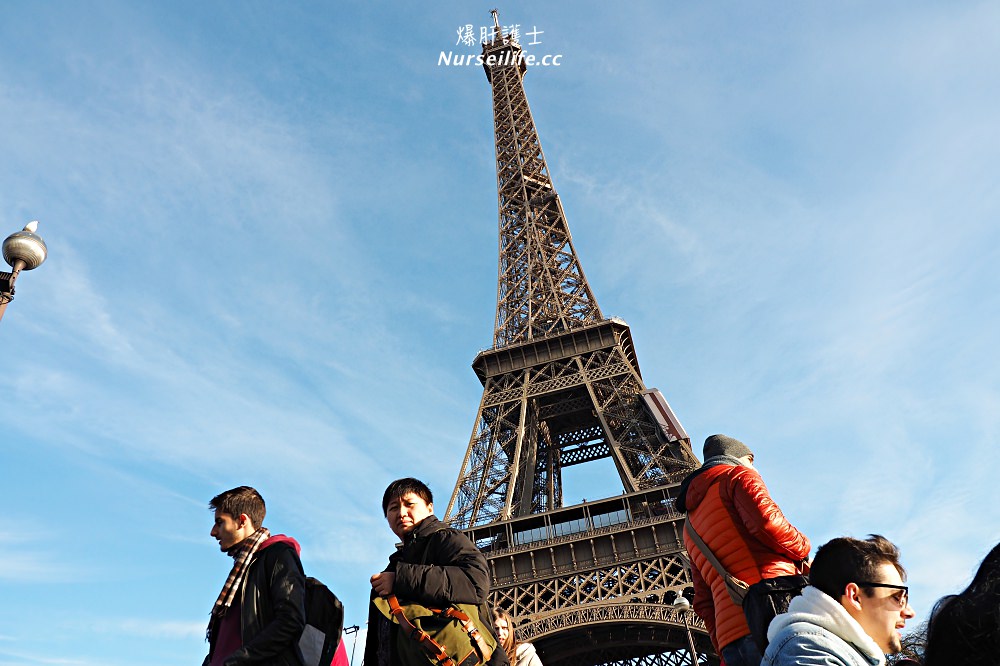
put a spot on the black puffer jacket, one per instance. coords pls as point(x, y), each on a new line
point(272, 610)
point(436, 566)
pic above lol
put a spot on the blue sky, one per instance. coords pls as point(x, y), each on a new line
point(272, 236)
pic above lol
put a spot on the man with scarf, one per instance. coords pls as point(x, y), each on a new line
point(260, 613)
point(730, 509)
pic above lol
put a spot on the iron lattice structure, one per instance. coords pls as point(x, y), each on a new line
point(593, 583)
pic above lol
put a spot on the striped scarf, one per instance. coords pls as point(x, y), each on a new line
point(242, 553)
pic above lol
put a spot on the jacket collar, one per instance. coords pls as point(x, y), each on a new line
point(716, 461)
point(427, 527)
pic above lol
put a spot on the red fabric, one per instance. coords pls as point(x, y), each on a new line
point(340, 658)
point(230, 637)
point(279, 538)
point(735, 516)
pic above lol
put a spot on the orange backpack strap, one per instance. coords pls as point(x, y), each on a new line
point(432, 648)
point(471, 629)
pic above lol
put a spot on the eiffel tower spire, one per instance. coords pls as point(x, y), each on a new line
point(593, 583)
point(542, 288)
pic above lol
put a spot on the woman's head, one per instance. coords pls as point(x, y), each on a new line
point(965, 628)
point(505, 632)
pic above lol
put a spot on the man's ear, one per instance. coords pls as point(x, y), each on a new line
point(430, 507)
point(244, 521)
point(851, 598)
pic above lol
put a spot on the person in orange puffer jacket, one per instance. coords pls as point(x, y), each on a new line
point(730, 508)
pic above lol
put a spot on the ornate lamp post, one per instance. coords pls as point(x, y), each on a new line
point(683, 606)
point(23, 250)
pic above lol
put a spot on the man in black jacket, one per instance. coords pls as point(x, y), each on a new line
point(260, 613)
point(436, 566)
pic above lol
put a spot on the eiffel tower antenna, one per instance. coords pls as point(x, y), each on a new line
point(595, 582)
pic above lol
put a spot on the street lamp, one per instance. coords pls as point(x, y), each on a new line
point(23, 250)
point(683, 607)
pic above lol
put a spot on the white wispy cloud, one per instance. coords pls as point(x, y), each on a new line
point(34, 556)
point(22, 658)
point(147, 627)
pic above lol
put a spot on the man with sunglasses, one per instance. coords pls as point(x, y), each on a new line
point(852, 611)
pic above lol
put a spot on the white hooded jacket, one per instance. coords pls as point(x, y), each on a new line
point(526, 655)
point(816, 631)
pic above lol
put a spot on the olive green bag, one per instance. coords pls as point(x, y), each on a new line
point(443, 637)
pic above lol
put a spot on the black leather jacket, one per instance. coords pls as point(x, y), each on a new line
point(272, 610)
point(436, 566)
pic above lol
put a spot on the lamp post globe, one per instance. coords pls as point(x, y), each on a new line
point(25, 247)
point(683, 607)
point(24, 250)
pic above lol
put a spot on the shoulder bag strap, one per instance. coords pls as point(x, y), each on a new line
point(736, 587)
point(470, 628)
point(431, 648)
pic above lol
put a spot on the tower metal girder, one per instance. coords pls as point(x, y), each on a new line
point(591, 583)
point(542, 287)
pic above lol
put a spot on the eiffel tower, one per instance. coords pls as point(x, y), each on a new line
point(597, 582)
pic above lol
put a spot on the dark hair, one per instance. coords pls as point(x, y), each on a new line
point(846, 560)
point(240, 500)
point(401, 487)
point(965, 628)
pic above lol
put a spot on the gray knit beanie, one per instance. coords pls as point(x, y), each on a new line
point(723, 445)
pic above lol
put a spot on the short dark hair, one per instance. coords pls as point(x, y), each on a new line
point(240, 500)
point(401, 487)
point(846, 560)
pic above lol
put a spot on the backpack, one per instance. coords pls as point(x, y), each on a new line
point(768, 598)
point(324, 624)
point(451, 636)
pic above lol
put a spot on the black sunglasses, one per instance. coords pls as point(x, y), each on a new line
point(901, 599)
